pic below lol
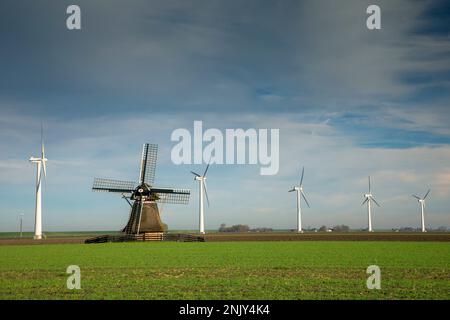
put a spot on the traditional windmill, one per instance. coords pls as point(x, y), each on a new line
point(142, 196)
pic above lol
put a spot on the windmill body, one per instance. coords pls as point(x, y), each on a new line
point(422, 208)
point(143, 197)
point(201, 193)
point(300, 194)
point(41, 172)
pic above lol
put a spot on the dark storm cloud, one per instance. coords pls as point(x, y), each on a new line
point(143, 55)
point(218, 56)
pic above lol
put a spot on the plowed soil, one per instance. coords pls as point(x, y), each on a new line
point(269, 236)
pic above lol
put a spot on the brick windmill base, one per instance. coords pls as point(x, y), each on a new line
point(150, 220)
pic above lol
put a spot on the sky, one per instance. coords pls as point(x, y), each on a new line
point(348, 102)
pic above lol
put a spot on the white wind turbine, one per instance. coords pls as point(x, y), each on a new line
point(300, 193)
point(369, 198)
point(202, 188)
point(40, 162)
point(422, 207)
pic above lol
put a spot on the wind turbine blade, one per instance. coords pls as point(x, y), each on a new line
point(416, 197)
point(303, 172)
point(42, 136)
point(426, 195)
point(292, 190)
point(375, 201)
point(304, 197)
point(369, 185)
point(44, 170)
point(206, 192)
point(195, 174)
point(365, 201)
point(42, 149)
point(207, 167)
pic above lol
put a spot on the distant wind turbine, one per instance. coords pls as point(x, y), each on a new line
point(41, 169)
point(422, 207)
point(369, 198)
point(300, 193)
point(202, 188)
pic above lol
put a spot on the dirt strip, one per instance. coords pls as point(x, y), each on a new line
point(28, 241)
point(270, 236)
point(441, 237)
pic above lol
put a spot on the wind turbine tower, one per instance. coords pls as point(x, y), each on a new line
point(202, 190)
point(300, 194)
point(422, 207)
point(41, 171)
point(369, 198)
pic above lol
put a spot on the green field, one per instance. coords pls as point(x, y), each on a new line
point(227, 270)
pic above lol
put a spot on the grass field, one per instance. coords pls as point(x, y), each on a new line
point(227, 270)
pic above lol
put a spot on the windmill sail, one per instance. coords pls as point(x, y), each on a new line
point(148, 163)
point(110, 185)
point(177, 197)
